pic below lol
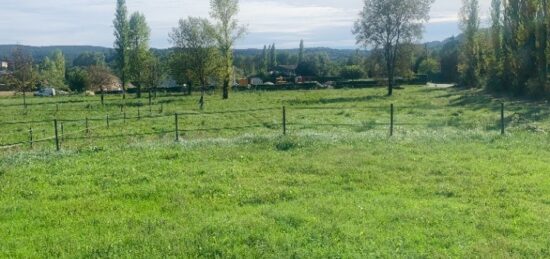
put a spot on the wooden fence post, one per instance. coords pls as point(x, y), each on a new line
point(87, 126)
point(284, 120)
point(56, 135)
point(177, 127)
point(391, 120)
point(62, 133)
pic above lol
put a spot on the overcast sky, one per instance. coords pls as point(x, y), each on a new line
point(325, 23)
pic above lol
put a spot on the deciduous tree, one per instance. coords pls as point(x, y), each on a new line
point(226, 31)
point(194, 41)
point(138, 53)
point(469, 58)
point(24, 75)
point(122, 44)
point(387, 24)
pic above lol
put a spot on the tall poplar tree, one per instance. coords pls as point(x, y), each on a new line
point(301, 53)
point(273, 57)
point(138, 52)
point(226, 31)
point(121, 45)
point(469, 59)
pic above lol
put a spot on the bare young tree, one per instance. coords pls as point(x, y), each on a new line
point(388, 24)
point(99, 77)
point(154, 75)
point(25, 75)
point(195, 43)
point(226, 31)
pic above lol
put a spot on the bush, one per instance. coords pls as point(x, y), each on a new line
point(352, 72)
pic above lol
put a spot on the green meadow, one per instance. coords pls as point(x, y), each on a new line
point(446, 184)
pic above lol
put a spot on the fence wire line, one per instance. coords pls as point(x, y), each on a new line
point(122, 135)
point(337, 108)
point(112, 103)
point(138, 116)
point(250, 112)
point(228, 128)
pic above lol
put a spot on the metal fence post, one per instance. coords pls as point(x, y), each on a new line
point(177, 127)
point(502, 124)
point(284, 120)
point(56, 135)
point(391, 120)
point(30, 137)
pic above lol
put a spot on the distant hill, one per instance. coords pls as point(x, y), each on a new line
point(71, 52)
point(334, 54)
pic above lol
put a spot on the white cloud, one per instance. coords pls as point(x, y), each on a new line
point(285, 22)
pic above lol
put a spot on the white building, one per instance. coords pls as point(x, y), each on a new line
point(256, 81)
point(4, 65)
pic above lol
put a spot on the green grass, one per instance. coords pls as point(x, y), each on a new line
point(438, 188)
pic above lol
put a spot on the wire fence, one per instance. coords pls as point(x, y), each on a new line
point(60, 132)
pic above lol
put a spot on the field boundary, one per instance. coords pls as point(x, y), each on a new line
point(61, 136)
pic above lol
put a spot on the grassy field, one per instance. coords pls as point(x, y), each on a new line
point(447, 184)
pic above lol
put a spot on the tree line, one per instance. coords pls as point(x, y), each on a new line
point(510, 56)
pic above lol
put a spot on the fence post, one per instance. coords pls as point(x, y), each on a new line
point(161, 107)
point(177, 127)
point(57, 108)
point(391, 120)
point(30, 137)
point(56, 135)
point(62, 133)
point(502, 124)
point(284, 120)
point(87, 126)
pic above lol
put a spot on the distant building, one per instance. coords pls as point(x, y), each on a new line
point(168, 82)
point(4, 65)
point(243, 82)
point(256, 81)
